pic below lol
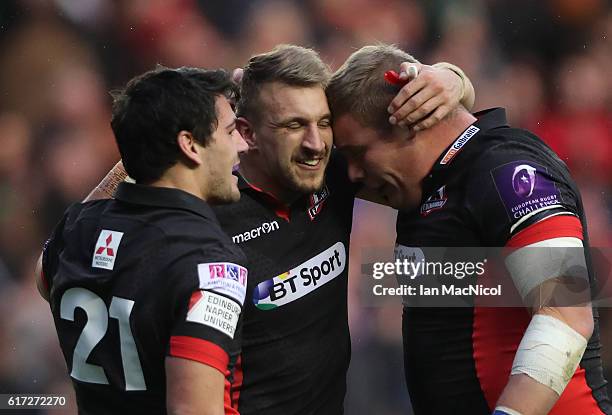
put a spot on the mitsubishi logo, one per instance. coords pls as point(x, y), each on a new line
point(108, 249)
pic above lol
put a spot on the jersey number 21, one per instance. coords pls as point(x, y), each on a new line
point(95, 329)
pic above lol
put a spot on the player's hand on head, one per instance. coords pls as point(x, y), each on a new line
point(427, 98)
point(409, 70)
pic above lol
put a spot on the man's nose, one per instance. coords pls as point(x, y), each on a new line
point(313, 140)
point(241, 145)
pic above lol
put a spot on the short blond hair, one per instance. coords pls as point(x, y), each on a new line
point(289, 64)
point(358, 87)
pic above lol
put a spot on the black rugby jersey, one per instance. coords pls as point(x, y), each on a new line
point(495, 186)
point(134, 279)
point(296, 344)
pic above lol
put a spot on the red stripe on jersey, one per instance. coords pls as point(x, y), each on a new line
point(237, 384)
point(282, 212)
point(280, 209)
point(195, 297)
point(230, 409)
point(199, 350)
point(577, 398)
point(554, 227)
point(44, 280)
point(496, 334)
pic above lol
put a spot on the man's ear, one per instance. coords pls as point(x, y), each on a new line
point(402, 134)
point(245, 128)
point(189, 147)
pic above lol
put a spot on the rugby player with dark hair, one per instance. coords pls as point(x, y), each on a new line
point(293, 222)
point(539, 359)
point(146, 290)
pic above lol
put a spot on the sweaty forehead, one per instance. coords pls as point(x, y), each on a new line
point(279, 100)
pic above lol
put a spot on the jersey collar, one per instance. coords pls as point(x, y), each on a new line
point(162, 197)
point(281, 210)
point(456, 154)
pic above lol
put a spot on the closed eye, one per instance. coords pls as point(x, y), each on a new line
point(294, 125)
point(324, 123)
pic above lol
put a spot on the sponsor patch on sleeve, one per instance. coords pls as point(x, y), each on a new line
point(524, 188)
point(225, 278)
point(214, 310)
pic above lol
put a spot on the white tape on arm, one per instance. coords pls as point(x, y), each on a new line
point(534, 264)
point(549, 353)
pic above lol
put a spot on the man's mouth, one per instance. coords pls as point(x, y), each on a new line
point(314, 162)
point(311, 161)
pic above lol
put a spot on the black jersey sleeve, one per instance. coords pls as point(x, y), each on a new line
point(516, 183)
point(54, 246)
point(207, 299)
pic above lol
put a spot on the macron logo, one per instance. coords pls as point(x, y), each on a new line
point(264, 228)
point(106, 249)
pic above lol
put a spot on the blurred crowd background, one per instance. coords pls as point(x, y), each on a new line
point(547, 61)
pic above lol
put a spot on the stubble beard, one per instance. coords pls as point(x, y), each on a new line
point(223, 192)
point(296, 183)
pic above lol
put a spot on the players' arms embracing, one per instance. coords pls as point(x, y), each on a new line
point(191, 385)
point(429, 93)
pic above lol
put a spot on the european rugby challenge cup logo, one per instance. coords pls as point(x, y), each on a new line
point(524, 180)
